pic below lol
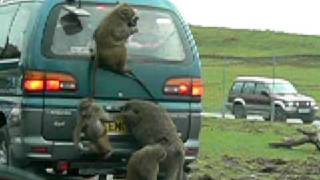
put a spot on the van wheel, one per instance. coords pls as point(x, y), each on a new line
point(3, 147)
point(239, 111)
point(279, 114)
point(102, 177)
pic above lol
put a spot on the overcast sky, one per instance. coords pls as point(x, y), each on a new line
point(294, 16)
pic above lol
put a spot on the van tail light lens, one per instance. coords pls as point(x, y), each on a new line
point(48, 81)
point(34, 85)
point(184, 87)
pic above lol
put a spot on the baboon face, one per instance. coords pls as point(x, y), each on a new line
point(128, 14)
point(84, 106)
point(87, 107)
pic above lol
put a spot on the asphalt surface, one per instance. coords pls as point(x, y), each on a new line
point(254, 118)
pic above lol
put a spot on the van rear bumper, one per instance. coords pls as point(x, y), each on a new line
point(25, 150)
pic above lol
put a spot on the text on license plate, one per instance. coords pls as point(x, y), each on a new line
point(116, 127)
point(304, 110)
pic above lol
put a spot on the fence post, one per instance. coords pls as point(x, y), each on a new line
point(224, 76)
point(273, 84)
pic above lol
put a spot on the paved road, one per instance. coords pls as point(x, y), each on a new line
point(255, 118)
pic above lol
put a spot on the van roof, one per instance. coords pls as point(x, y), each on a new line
point(261, 79)
point(152, 3)
point(17, 1)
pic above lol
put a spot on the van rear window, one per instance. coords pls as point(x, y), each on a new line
point(158, 37)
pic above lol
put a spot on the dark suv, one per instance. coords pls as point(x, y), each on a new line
point(257, 95)
point(46, 69)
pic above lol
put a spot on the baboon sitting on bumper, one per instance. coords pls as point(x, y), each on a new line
point(144, 164)
point(90, 121)
point(151, 124)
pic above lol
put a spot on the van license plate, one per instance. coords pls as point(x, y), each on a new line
point(304, 110)
point(117, 127)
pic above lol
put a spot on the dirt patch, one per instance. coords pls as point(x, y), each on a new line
point(237, 168)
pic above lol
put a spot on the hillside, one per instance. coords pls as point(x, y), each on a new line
point(250, 43)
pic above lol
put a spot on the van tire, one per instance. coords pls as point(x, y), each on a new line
point(239, 111)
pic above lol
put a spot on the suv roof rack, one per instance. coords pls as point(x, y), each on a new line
point(261, 79)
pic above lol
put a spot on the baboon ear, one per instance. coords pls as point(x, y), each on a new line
point(163, 154)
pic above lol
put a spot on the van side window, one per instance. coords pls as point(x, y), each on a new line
point(236, 89)
point(7, 14)
point(248, 88)
point(16, 19)
point(260, 87)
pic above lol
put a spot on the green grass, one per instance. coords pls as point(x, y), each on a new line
point(248, 139)
point(234, 148)
point(304, 74)
point(230, 149)
point(250, 43)
point(301, 71)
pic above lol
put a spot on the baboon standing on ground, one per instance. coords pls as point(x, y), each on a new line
point(151, 124)
point(90, 121)
point(308, 137)
point(111, 37)
point(144, 164)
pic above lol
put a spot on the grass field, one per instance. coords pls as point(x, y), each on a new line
point(249, 43)
point(304, 74)
point(239, 148)
point(301, 71)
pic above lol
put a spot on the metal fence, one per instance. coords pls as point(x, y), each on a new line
point(219, 73)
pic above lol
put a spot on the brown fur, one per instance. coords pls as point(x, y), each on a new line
point(150, 124)
point(90, 122)
point(111, 37)
point(144, 164)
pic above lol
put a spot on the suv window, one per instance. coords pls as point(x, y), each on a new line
point(14, 21)
point(248, 88)
point(260, 87)
point(157, 39)
point(236, 89)
point(283, 88)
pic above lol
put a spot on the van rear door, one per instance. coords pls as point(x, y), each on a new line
point(158, 55)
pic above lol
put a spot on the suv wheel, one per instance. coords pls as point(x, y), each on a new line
point(239, 111)
point(279, 114)
point(308, 119)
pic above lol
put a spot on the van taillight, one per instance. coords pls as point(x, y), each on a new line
point(184, 87)
point(48, 81)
